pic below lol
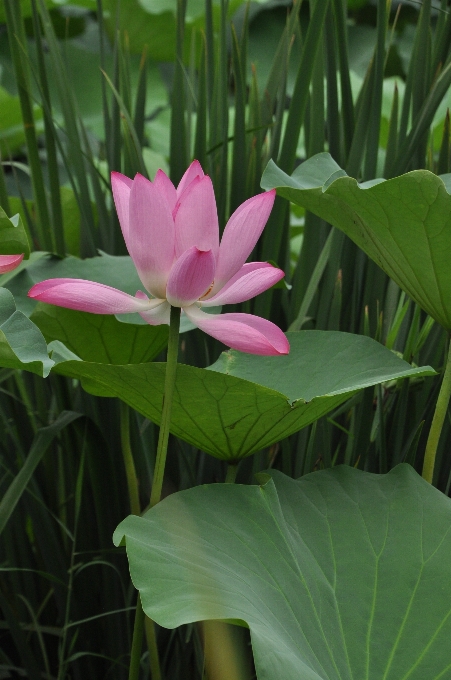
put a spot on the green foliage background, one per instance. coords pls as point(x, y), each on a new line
point(85, 90)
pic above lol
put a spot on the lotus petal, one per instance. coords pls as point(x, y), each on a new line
point(89, 296)
point(244, 332)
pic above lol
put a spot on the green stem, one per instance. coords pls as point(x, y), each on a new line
point(169, 384)
point(130, 471)
point(4, 200)
point(154, 661)
point(135, 658)
point(437, 422)
point(135, 508)
point(231, 473)
point(20, 60)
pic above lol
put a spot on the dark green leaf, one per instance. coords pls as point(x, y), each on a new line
point(100, 338)
point(244, 403)
point(401, 223)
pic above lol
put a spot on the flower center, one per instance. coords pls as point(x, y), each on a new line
point(207, 291)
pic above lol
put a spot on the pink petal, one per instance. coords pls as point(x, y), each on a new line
point(159, 315)
point(245, 332)
point(9, 262)
point(241, 234)
point(251, 280)
point(165, 186)
point(194, 170)
point(88, 296)
point(190, 277)
point(196, 218)
point(121, 186)
point(151, 238)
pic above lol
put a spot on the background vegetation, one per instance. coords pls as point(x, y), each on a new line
point(134, 86)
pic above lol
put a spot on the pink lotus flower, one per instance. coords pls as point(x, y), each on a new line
point(9, 262)
point(172, 236)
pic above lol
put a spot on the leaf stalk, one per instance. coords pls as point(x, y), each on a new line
point(437, 422)
point(171, 369)
point(169, 384)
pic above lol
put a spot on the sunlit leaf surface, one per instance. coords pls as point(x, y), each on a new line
point(22, 345)
point(13, 238)
point(339, 575)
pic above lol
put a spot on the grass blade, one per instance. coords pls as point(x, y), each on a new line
point(43, 439)
point(19, 55)
point(178, 160)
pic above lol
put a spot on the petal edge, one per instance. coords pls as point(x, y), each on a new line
point(244, 332)
point(88, 296)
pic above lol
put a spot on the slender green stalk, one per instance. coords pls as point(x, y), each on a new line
point(169, 384)
point(143, 622)
point(177, 155)
point(437, 422)
point(130, 471)
point(374, 122)
point(231, 473)
point(63, 662)
point(50, 141)
point(154, 661)
point(17, 42)
point(137, 641)
point(171, 369)
point(4, 200)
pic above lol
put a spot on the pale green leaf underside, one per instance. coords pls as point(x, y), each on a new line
point(403, 224)
point(245, 403)
point(13, 237)
point(342, 575)
point(22, 345)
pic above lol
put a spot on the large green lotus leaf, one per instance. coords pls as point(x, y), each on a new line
point(13, 237)
point(320, 363)
point(99, 337)
point(244, 402)
point(22, 344)
point(341, 575)
point(403, 224)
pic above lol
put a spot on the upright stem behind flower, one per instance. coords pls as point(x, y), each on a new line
point(129, 464)
point(231, 473)
point(169, 384)
point(437, 422)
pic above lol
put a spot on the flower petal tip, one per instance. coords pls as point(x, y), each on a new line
point(10, 262)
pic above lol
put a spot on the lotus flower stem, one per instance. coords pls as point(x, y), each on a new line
point(141, 620)
point(137, 641)
point(169, 384)
point(437, 422)
point(231, 473)
point(129, 464)
point(154, 660)
point(155, 496)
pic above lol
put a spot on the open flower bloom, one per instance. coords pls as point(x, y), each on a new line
point(9, 262)
point(172, 236)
